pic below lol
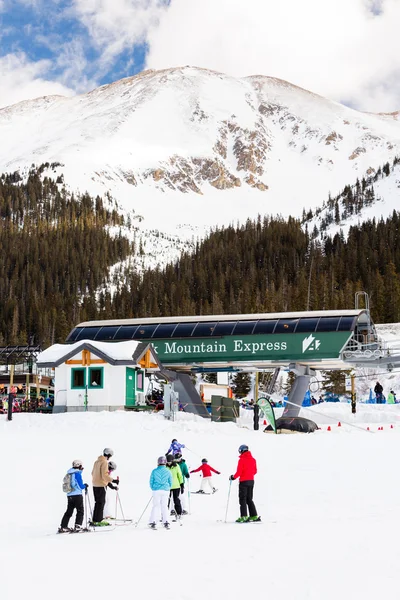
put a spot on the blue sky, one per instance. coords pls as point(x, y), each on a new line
point(346, 50)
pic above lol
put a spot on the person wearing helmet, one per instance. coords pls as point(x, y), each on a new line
point(175, 447)
point(160, 484)
point(177, 486)
point(206, 471)
point(100, 480)
point(246, 469)
point(74, 498)
point(185, 474)
point(109, 507)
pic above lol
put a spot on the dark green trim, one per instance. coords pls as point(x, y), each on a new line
point(96, 387)
point(78, 387)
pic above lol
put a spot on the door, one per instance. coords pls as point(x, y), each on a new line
point(130, 387)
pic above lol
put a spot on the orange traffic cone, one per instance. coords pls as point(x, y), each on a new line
point(339, 424)
point(329, 428)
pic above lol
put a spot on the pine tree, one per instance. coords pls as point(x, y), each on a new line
point(241, 385)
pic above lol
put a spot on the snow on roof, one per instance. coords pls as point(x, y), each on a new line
point(115, 352)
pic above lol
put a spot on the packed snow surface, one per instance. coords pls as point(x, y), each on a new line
point(329, 503)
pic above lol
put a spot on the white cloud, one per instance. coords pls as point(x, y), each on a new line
point(347, 50)
point(115, 25)
point(21, 79)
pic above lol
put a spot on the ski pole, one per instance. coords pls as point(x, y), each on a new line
point(120, 505)
point(140, 518)
point(227, 503)
point(116, 506)
point(90, 506)
point(86, 515)
point(189, 495)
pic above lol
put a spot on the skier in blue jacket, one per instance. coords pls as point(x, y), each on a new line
point(160, 484)
point(74, 498)
point(175, 447)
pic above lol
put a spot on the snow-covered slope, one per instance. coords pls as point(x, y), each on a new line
point(195, 147)
point(329, 503)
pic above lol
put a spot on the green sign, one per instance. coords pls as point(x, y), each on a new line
point(268, 411)
point(285, 347)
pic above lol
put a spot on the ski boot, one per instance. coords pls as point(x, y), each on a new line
point(214, 490)
point(152, 525)
point(173, 513)
point(166, 525)
point(200, 492)
point(255, 519)
point(64, 530)
point(242, 520)
point(185, 512)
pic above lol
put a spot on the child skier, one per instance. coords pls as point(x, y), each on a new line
point(177, 486)
point(74, 498)
point(109, 508)
point(185, 474)
point(206, 470)
point(246, 469)
point(160, 484)
point(175, 447)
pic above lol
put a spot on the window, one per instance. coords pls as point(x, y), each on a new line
point(328, 323)
point(96, 377)
point(204, 329)
point(74, 334)
point(140, 381)
point(88, 333)
point(346, 324)
point(244, 327)
point(224, 328)
point(307, 325)
point(184, 330)
point(126, 332)
point(145, 332)
point(78, 379)
point(265, 327)
point(107, 333)
point(286, 325)
point(164, 330)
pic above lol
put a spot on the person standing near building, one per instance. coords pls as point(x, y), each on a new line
point(207, 471)
point(160, 484)
point(100, 480)
point(378, 389)
point(246, 470)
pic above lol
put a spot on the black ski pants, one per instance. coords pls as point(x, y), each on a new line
point(99, 494)
point(174, 494)
point(246, 498)
point(74, 502)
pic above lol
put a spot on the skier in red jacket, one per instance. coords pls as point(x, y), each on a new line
point(206, 469)
point(246, 469)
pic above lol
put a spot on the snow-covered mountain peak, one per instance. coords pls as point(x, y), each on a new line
point(190, 145)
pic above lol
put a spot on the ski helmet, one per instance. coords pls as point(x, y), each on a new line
point(77, 464)
point(243, 448)
point(174, 440)
point(169, 458)
point(111, 465)
point(204, 460)
point(108, 452)
point(161, 460)
point(177, 456)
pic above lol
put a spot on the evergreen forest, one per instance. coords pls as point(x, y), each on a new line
point(57, 250)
